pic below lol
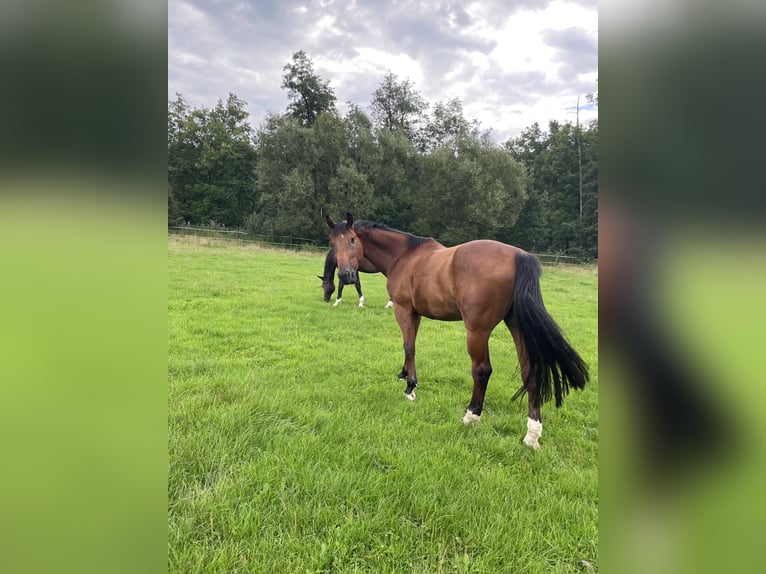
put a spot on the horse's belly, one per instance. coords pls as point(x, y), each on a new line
point(441, 314)
point(436, 306)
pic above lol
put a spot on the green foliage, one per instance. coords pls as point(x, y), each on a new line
point(398, 107)
point(474, 190)
point(433, 175)
point(350, 188)
point(211, 161)
point(291, 447)
point(551, 220)
point(394, 179)
point(447, 127)
point(309, 95)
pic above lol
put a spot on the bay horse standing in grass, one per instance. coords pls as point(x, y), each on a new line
point(481, 282)
point(328, 279)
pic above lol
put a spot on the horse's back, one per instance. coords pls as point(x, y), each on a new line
point(484, 273)
point(485, 257)
point(473, 281)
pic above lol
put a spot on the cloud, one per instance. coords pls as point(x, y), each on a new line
point(502, 58)
point(576, 50)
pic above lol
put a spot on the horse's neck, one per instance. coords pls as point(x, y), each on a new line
point(330, 264)
point(383, 248)
point(367, 266)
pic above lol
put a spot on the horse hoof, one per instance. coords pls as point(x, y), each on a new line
point(534, 431)
point(470, 418)
point(410, 396)
point(337, 302)
point(531, 442)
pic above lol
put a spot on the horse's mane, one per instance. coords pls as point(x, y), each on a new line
point(412, 240)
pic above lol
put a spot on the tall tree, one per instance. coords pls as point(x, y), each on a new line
point(331, 148)
point(447, 126)
point(398, 107)
point(474, 191)
point(181, 156)
point(211, 163)
point(393, 175)
point(562, 166)
point(309, 95)
point(287, 156)
point(359, 137)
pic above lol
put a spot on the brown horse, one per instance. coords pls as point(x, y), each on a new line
point(481, 282)
point(328, 279)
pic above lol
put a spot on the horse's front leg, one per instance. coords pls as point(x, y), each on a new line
point(481, 370)
point(409, 321)
point(341, 284)
point(358, 286)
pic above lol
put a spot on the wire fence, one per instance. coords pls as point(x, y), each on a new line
point(303, 243)
point(557, 259)
point(285, 241)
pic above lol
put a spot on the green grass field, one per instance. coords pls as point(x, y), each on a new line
point(293, 449)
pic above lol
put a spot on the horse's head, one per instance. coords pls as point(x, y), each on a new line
point(328, 286)
point(348, 248)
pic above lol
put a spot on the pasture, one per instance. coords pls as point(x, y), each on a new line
point(292, 447)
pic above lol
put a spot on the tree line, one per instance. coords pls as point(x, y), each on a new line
point(416, 167)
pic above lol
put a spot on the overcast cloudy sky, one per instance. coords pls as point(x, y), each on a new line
point(511, 62)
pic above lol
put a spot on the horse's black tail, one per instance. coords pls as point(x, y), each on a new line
point(554, 364)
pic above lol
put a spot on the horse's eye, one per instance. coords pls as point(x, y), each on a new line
point(352, 241)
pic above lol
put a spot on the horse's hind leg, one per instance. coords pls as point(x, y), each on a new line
point(534, 420)
point(481, 369)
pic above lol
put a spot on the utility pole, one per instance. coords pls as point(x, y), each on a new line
point(579, 153)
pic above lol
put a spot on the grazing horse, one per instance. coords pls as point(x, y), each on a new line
point(481, 282)
point(328, 279)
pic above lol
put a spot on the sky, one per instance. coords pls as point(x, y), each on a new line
point(511, 62)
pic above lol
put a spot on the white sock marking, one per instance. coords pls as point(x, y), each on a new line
point(389, 304)
point(470, 418)
point(534, 430)
point(361, 301)
point(411, 396)
point(337, 302)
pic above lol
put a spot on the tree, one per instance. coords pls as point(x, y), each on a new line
point(178, 112)
point(309, 96)
point(559, 177)
point(350, 190)
point(331, 148)
point(180, 157)
point(447, 127)
point(474, 191)
point(211, 163)
point(359, 138)
point(393, 175)
point(562, 167)
point(284, 180)
point(398, 107)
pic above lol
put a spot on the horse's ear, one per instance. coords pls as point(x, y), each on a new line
point(349, 219)
point(329, 221)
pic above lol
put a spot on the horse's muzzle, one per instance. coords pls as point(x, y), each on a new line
point(347, 275)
